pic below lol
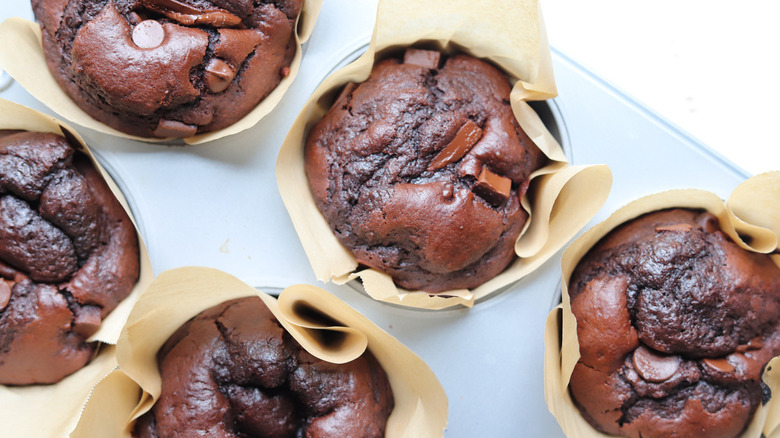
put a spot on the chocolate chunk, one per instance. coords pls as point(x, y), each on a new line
point(218, 75)
point(423, 58)
point(468, 135)
point(653, 366)
point(719, 364)
point(5, 294)
point(174, 128)
point(493, 188)
point(189, 16)
point(681, 228)
point(469, 168)
point(169, 5)
point(87, 320)
point(756, 343)
point(7, 272)
point(148, 34)
point(236, 44)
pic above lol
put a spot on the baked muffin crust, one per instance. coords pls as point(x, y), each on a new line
point(419, 170)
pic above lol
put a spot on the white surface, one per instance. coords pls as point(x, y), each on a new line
point(710, 67)
point(217, 205)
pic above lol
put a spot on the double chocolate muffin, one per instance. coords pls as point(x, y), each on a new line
point(675, 324)
point(419, 170)
point(168, 68)
point(234, 371)
point(68, 255)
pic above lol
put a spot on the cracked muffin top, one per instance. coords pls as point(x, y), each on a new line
point(168, 68)
point(233, 371)
point(68, 254)
point(419, 170)
point(675, 324)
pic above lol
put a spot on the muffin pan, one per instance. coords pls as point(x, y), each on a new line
point(218, 205)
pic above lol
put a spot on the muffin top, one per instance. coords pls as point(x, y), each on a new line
point(168, 68)
point(419, 170)
point(234, 371)
point(675, 323)
point(68, 255)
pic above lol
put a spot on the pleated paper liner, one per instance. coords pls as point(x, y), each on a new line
point(751, 218)
point(52, 410)
point(21, 55)
point(508, 33)
point(180, 294)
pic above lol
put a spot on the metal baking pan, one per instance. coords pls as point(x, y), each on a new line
point(218, 205)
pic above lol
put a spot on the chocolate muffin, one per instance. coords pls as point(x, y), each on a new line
point(234, 371)
point(675, 324)
point(168, 68)
point(420, 169)
point(68, 255)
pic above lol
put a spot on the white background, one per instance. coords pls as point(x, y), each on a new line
point(710, 67)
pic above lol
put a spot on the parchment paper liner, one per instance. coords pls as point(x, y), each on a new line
point(509, 33)
point(21, 56)
point(23, 408)
point(180, 294)
point(751, 218)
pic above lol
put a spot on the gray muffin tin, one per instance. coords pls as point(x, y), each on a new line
point(218, 205)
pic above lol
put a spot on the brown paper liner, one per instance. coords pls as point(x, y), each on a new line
point(22, 408)
point(178, 295)
point(752, 214)
point(22, 57)
point(510, 33)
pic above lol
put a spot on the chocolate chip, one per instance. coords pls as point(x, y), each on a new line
point(148, 34)
point(174, 128)
point(5, 294)
point(188, 15)
point(654, 366)
point(87, 321)
point(719, 364)
point(423, 58)
point(218, 75)
point(493, 188)
point(681, 228)
point(468, 135)
point(756, 343)
point(7, 271)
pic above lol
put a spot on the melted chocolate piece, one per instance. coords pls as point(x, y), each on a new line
point(720, 364)
point(423, 58)
point(174, 128)
point(492, 187)
point(468, 135)
point(218, 75)
point(5, 294)
point(148, 34)
point(190, 16)
point(653, 366)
